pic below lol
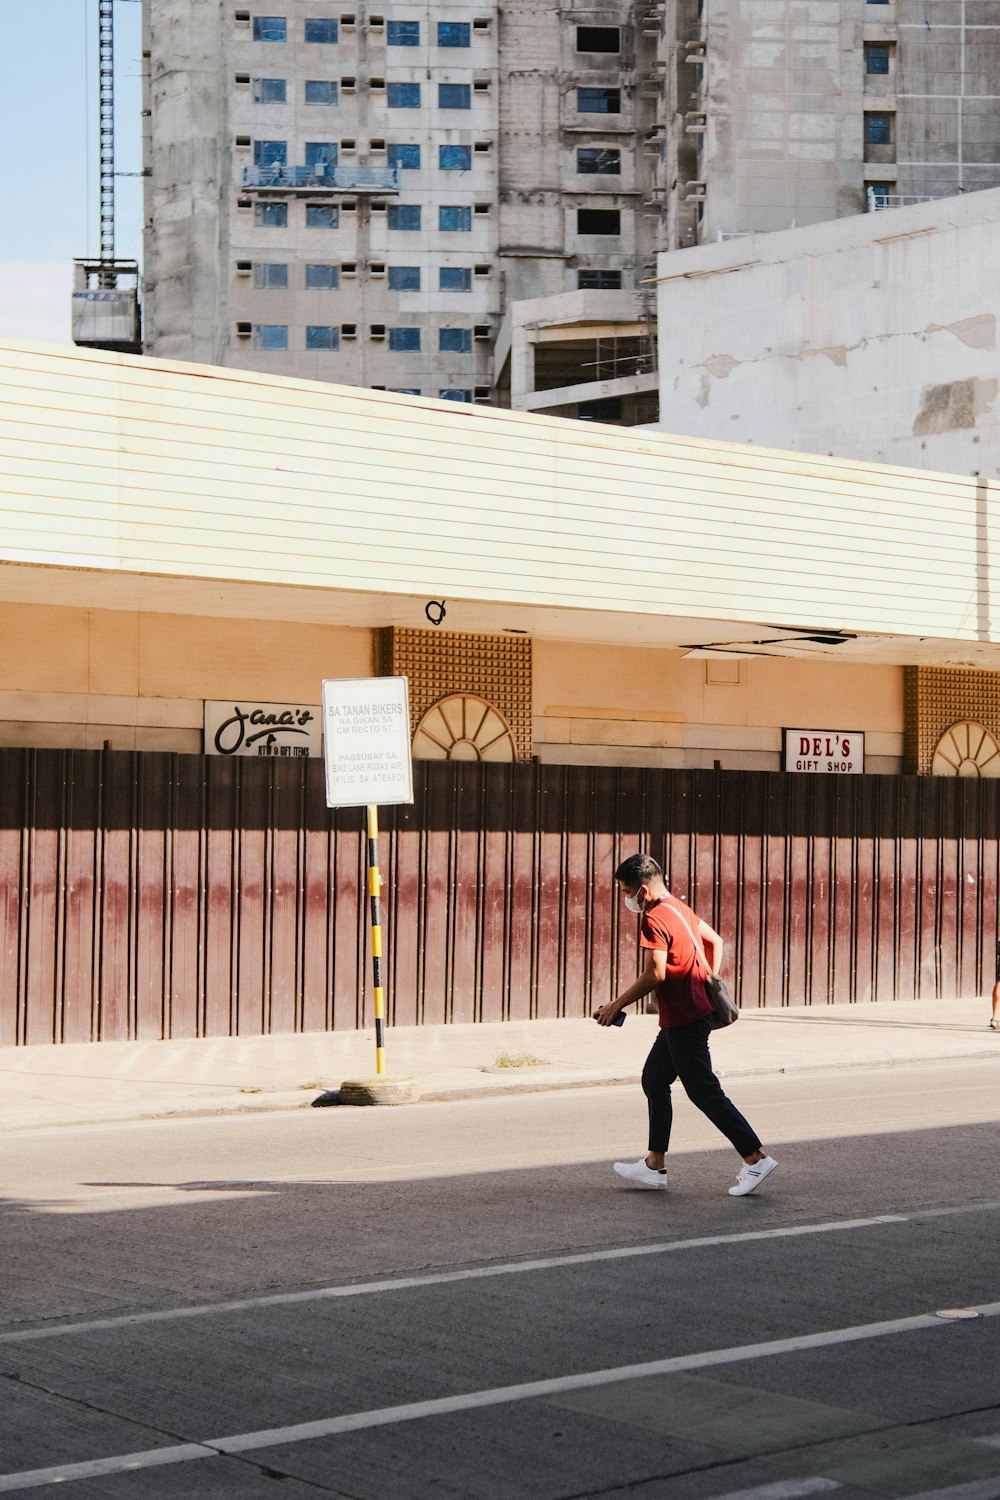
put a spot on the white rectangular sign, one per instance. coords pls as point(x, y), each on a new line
point(286, 731)
point(366, 723)
point(825, 752)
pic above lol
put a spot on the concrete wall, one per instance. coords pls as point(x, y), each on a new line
point(948, 98)
point(772, 107)
point(871, 338)
point(187, 260)
point(782, 102)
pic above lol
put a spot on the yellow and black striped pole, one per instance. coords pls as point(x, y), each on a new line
point(374, 890)
point(380, 1089)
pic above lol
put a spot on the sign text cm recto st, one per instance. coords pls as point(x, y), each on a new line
point(366, 724)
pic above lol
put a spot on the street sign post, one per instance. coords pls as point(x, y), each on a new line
point(366, 726)
point(366, 748)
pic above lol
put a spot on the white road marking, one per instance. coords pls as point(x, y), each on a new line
point(784, 1489)
point(976, 1489)
point(534, 1390)
point(125, 1463)
point(437, 1278)
point(477, 1273)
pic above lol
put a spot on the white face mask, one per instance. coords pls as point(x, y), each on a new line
point(636, 903)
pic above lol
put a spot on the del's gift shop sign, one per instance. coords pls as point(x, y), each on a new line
point(287, 731)
point(825, 752)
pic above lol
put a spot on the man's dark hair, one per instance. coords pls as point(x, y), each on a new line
point(637, 870)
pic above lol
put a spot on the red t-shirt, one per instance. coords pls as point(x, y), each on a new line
point(681, 998)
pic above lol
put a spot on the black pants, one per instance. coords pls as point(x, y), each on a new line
point(682, 1052)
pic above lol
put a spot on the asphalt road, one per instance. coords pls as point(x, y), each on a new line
point(459, 1301)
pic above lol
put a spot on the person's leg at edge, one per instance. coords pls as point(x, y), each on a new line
point(692, 1063)
point(658, 1074)
point(995, 1015)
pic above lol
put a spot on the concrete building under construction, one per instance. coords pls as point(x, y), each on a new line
point(361, 195)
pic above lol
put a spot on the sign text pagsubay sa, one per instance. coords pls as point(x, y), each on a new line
point(366, 722)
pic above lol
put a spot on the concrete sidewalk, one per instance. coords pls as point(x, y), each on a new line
point(86, 1083)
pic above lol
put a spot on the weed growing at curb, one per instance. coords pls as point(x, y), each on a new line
point(520, 1060)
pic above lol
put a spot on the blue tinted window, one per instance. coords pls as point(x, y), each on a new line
point(455, 340)
point(403, 390)
point(321, 31)
point(270, 90)
point(322, 216)
point(404, 216)
point(320, 91)
point(455, 158)
point(453, 217)
point(270, 153)
point(599, 101)
point(321, 278)
point(878, 130)
point(407, 158)
point(403, 34)
point(321, 336)
point(270, 276)
point(403, 95)
point(876, 58)
point(271, 215)
point(321, 153)
point(454, 96)
point(453, 395)
point(455, 279)
point(269, 29)
point(404, 278)
point(270, 335)
point(453, 33)
point(404, 340)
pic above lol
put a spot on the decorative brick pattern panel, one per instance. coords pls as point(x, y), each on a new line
point(439, 663)
point(937, 697)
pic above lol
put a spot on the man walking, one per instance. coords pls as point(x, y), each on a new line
point(682, 951)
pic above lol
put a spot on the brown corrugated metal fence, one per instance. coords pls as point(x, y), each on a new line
point(150, 895)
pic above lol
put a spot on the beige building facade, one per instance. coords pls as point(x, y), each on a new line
point(174, 538)
point(87, 678)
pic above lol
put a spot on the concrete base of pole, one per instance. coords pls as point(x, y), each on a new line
point(379, 1090)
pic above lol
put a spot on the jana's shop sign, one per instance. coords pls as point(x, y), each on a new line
point(825, 752)
point(282, 731)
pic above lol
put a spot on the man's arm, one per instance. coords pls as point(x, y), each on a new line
point(653, 974)
point(714, 945)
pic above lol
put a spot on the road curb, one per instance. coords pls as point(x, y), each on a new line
point(290, 1101)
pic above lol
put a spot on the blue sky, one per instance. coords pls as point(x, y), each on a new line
point(48, 116)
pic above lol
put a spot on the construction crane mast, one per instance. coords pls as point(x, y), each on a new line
point(106, 105)
point(106, 290)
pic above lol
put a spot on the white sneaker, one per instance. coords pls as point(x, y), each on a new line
point(752, 1177)
point(639, 1175)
